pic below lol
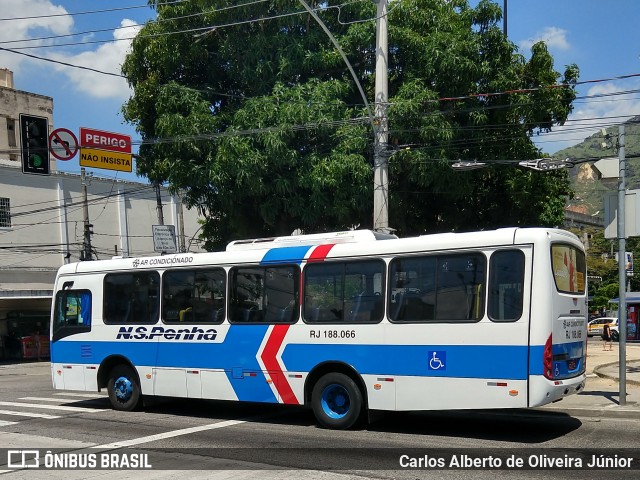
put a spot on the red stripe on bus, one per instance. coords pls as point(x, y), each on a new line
point(320, 252)
point(271, 363)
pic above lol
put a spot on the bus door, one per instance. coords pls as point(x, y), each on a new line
point(71, 351)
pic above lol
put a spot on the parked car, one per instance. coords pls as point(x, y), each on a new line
point(594, 327)
point(615, 333)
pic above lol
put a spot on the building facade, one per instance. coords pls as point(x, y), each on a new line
point(49, 220)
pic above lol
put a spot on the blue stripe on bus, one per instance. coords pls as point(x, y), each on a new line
point(286, 255)
point(237, 353)
point(536, 360)
point(240, 348)
point(573, 350)
point(569, 351)
point(237, 357)
point(460, 361)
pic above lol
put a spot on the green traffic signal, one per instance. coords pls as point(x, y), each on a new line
point(36, 160)
point(34, 140)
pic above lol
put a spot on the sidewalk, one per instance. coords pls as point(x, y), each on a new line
point(602, 392)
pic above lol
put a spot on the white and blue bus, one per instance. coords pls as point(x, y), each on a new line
point(345, 322)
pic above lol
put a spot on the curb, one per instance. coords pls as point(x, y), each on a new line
point(629, 411)
point(597, 371)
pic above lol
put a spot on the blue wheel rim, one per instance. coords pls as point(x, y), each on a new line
point(123, 388)
point(336, 402)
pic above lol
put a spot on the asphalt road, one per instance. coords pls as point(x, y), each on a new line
point(205, 439)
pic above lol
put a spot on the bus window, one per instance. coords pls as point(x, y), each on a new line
point(437, 288)
point(569, 268)
point(193, 296)
point(506, 283)
point(72, 313)
point(344, 292)
point(264, 294)
point(131, 297)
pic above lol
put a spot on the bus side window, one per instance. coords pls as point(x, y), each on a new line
point(131, 297)
point(506, 285)
point(437, 288)
point(193, 296)
point(349, 292)
point(260, 294)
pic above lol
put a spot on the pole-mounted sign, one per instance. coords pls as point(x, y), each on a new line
point(99, 149)
point(63, 144)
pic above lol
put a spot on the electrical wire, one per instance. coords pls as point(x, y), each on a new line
point(111, 29)
point(204, 29)
point(89, 12)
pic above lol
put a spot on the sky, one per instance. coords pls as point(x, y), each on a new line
point(602, 38)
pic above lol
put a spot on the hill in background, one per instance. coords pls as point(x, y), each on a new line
point(589, 190)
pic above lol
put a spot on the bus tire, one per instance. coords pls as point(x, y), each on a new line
point(336, 401)
point(123, 388)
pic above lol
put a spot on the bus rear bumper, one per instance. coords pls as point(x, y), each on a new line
point(543, 391)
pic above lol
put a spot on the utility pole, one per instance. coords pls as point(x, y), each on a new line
point(381, 157)
point(159, 204)
point(183, 247)
point(622, 271)
point(86, 244)
point(504, 18)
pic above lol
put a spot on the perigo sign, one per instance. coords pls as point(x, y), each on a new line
point(108, 150)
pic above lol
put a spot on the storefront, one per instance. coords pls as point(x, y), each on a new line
point(633, 314)
point(25, 335)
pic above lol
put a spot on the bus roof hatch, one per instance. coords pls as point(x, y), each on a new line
point(349, 236)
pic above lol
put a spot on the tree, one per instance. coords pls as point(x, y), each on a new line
point(262, 126)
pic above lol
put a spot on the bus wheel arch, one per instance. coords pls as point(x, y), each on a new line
point(121, 379)
point(337, 395)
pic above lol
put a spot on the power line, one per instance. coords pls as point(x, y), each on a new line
point(204, 29)
point(89, 12)
point(59, 62)
point(111, 29)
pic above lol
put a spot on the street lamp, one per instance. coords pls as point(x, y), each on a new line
point(545, 164)
point(465, 165)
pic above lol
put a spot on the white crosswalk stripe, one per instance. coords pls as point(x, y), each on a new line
point(25, 406)
point(83, 395)
point(53, 400)
point(28, 414)
point(63, 408)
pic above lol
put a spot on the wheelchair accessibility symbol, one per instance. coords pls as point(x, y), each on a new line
point(437, 360)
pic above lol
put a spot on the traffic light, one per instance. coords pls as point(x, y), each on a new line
point(34, 137)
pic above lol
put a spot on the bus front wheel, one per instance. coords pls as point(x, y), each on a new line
point(123, 388)
point(336, 401)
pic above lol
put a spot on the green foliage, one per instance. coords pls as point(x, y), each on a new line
point(266, 131)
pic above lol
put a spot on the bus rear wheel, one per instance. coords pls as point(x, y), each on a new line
point(123, 388)
point(336, 401)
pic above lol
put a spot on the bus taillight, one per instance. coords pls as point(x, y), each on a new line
point(547, 358)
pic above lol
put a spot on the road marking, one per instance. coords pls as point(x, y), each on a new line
point(4, 423)
point(52, 407)
point(26, 414)
point(49, 399)
point(174, 433)
point(83, 395)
